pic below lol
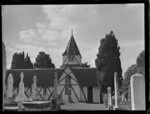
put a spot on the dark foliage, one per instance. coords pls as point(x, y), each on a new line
point(139, 67)
point(20, 62)
point(108, 62)
point(43, 60)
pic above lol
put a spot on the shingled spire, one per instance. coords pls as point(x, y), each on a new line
point(71, 48)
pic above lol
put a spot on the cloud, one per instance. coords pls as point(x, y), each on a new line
point(131, 44)
point(27, 35)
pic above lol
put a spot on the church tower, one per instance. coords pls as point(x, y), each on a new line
point(72, 55)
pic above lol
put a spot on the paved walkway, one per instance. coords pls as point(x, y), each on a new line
point(82, 106)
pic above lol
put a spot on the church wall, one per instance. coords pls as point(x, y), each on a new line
point(78, 58)
point(64, 59)
point(15, 92)
point(28, 91)
point(77, 91)
point(49, 92)
point(82, 99)
point(96, 95)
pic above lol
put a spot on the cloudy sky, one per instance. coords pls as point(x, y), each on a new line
point(47, 28)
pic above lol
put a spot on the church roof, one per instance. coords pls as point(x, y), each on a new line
point(45, 77)
point(72, 48)
point(85, 76)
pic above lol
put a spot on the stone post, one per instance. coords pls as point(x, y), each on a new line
point(116, 89)
point(109, 98)
point(34, 87)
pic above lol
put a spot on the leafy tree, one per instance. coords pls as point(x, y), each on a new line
point(107, 63)
point(18, 61)
point(28, 63)
point(139, 67)
point(127, 75)
point(140, 61)
point(43, 61)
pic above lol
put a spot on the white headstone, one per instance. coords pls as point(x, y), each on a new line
point(21, 95)
point(137, 83)
point(116, 89)
point(34, 87)
point(10, 86)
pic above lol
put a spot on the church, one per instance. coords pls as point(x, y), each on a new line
point(76, 83)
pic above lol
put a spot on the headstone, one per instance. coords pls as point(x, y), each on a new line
point(137, 83)
point(21, 95)
point(34, 87)
point(109, 97)
point(10, 86)
point(116, 89)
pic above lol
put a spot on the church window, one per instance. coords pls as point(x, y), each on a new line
point(67, 81)
point(70, 58)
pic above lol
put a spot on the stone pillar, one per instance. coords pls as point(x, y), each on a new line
point(137, 83)
point(21, 95)
point(9, 86)
point(109, 97)
point(116, 89)
point(34, 87)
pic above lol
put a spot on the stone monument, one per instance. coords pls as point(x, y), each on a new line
point(21, 95)
point(9, 86)
point(137, 83)
point(109, 98)
point(34, 87)
point(116, 89)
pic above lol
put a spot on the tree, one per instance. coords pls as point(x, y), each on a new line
point(139, 67)
point(140, 61)
point(43, 61)
point(127, 75)
point(107, 63)
point(28, 63)
point(18, 61)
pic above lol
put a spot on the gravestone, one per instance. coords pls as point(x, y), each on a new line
point(21, 95)
point(116, 89)
point(34, 87)
point(109, 98)
point(137, 83)
point(10, 86)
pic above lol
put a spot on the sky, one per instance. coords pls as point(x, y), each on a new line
point(35, 28)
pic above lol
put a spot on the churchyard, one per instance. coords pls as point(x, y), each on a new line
point(21, 102)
